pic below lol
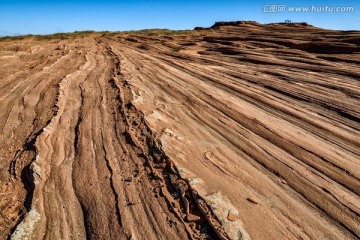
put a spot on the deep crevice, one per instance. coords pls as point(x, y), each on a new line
point(140, 136)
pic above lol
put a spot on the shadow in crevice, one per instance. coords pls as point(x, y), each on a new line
point(27, 179)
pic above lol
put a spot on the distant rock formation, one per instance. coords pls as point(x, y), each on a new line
point(232, 23)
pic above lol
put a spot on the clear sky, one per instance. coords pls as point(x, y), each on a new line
point(50, 16)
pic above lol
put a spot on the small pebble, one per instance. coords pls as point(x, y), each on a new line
point(231, 217)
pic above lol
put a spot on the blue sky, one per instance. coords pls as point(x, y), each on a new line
point(50, 16)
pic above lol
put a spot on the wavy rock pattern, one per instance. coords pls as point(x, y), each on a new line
point(238, 131)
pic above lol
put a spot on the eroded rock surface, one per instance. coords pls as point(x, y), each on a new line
point(238, 131)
